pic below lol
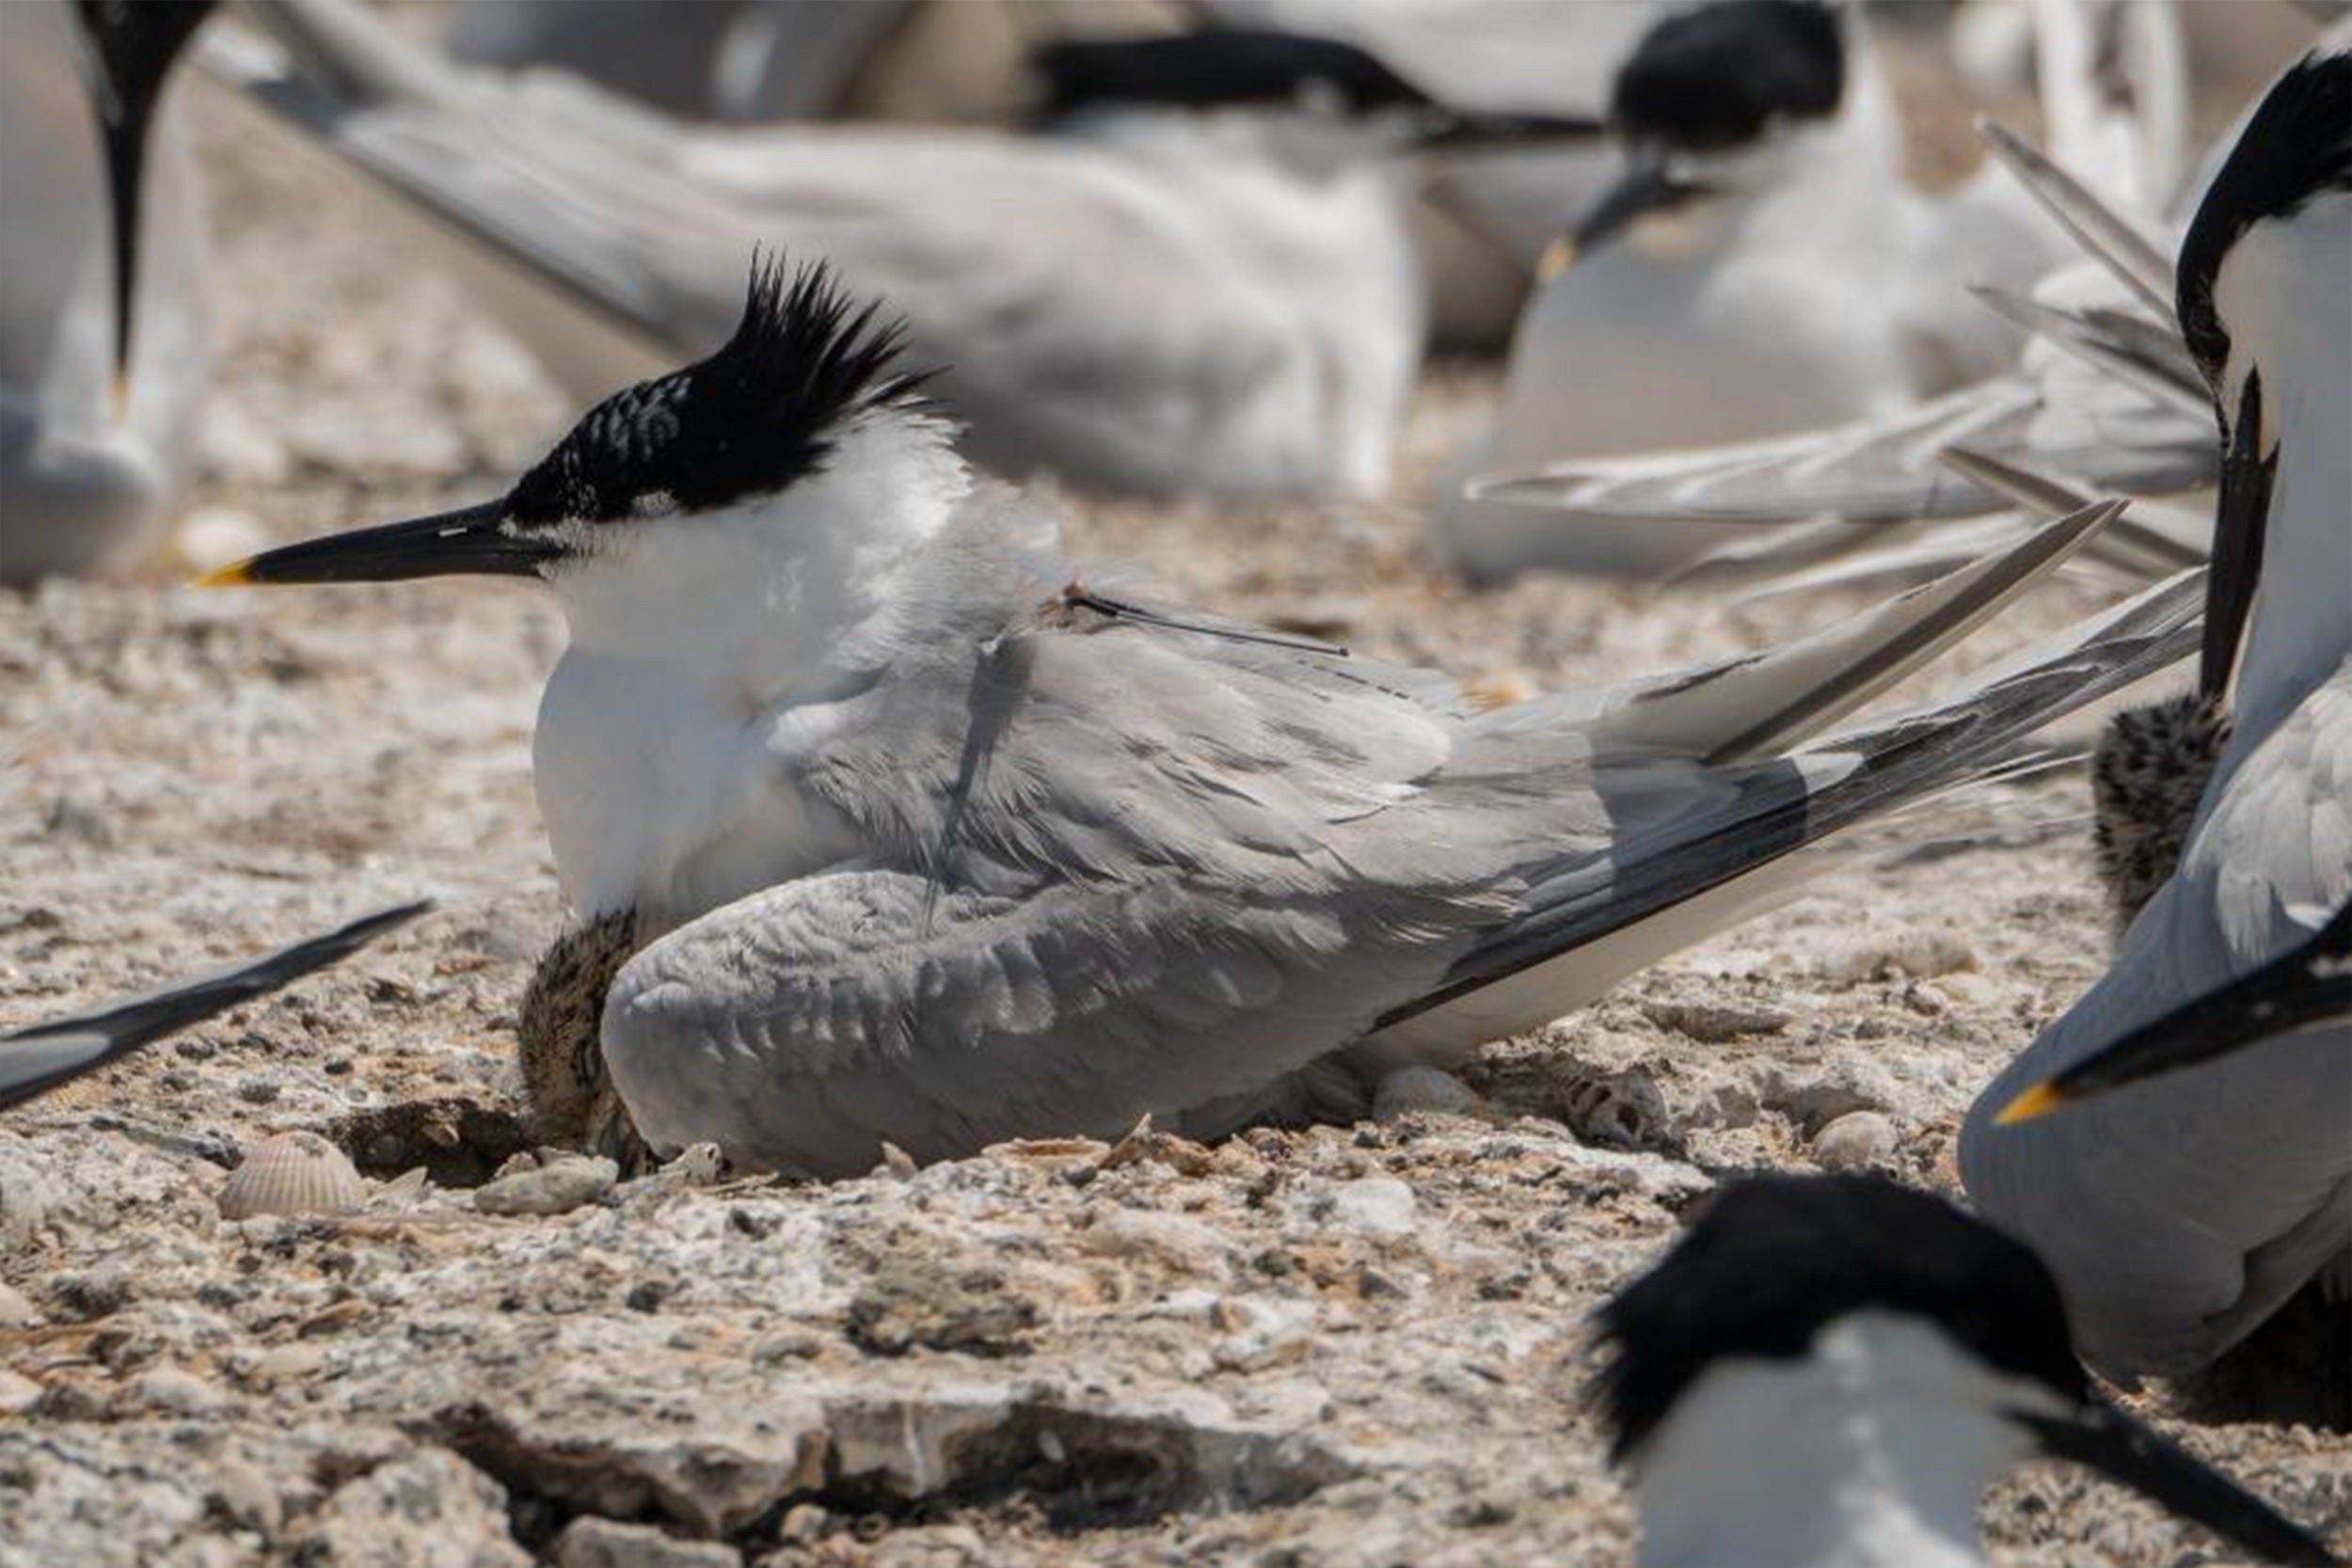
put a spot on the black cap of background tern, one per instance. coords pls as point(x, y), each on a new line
point(1703, 82)
point(1247, 67)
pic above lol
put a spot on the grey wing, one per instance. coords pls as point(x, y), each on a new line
point(804, 1026)
point(2178, 1213)
point(1112, 870)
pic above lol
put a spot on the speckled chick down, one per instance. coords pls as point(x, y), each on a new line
point(568, 1094)
point(2146, 778)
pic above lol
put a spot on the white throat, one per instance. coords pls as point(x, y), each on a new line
point(2284, 291)
point(689, 635)
point(1868, 1454)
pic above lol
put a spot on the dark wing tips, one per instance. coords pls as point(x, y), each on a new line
point(1775, 1260)
point(1211, 67)
point(2296, 145)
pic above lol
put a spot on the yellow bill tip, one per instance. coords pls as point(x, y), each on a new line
point(237, 573)
point(1559, 256)
point(2040, 1101)
point(118, 393)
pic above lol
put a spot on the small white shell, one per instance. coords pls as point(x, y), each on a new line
point(294, 1173)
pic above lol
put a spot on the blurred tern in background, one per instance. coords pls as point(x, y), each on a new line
point(43, 1057)
point(1828, 1371)
point(1484, 212)
point(935, 844)
point(103, 363)
point(1165, 301)
point(2179, 1217)
point(2107, 400)
point(1761, 268)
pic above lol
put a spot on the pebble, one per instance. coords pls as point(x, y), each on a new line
point(172, 1388)
point(16, 1310)
point(590, 1541)
point(1374, 1206)
point(1916, 955)
point(1422, 1091)
point(551, 1189)
point(18, 1394)
point(210, 535)
point(1713, 1023)
point(1854, 1140)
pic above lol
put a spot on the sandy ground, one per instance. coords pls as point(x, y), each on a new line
point(1272, 1352)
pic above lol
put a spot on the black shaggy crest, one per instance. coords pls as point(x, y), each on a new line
point(1217, 66)
point(1716, 77)
point(2297, 145)
point(1776, 1260)
point(761, 413)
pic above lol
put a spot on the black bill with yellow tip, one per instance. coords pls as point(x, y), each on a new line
point(2133, 1455)
point(474, 541)
point(2309, 985)
point(1648, 185)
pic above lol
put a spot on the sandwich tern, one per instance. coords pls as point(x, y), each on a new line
point(1169, 303)
point(1831, 1370)
point(1761, 269)
point(41, 1057)
point(1481, 218)
point(102, 331)
point(2179, 1217)
point(932, 842)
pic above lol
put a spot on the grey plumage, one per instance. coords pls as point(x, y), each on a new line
point(1105, 865)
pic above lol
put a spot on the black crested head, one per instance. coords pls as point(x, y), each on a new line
point(2296, 146)
point(1716, 77)
point(1219, 66)
point(1776, 1260)
point(762, 412)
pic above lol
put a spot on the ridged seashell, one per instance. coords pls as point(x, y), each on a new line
point(294, 1173)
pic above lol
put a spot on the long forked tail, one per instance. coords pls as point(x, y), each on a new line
point(1599, 924)
point(39, 1058)
point(1767, 704)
